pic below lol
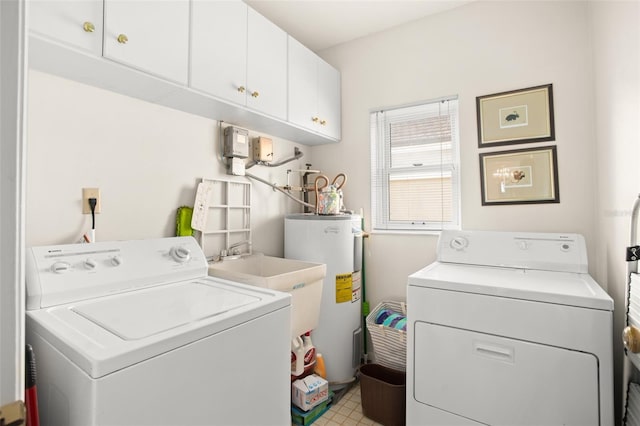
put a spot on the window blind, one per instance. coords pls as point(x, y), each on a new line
point(414, 166)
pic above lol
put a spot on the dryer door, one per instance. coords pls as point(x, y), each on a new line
point(496, 380)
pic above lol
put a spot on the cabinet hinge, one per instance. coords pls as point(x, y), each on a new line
point(633, 253)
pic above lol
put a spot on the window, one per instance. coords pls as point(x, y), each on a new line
point(414, 167)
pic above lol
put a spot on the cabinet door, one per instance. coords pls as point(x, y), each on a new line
point(329, 99)
point(266, 66)
point(219, 48)
point(152, 36)
point(303, 86)
point(78, 23)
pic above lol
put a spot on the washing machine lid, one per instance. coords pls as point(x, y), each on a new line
point(141, 314)
point(564, 288)
point(110, 333)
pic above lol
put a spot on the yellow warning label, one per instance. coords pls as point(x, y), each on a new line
point(343, 288)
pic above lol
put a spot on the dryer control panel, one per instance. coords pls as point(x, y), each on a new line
point(68, 273)
point(526, 250)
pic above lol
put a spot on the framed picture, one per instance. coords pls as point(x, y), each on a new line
point(519, 116)
point(523, 176)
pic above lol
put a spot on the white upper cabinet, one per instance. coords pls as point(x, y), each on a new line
point(219, 49)
point(216, 58)
point(77, 23)
point(152, 36)
point(314, 91)
point(329, 99)
point(238, 55)
point(303, 90)
point(266, 66)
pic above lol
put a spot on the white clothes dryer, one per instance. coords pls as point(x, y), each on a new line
point(508, 328)
point(136, 333)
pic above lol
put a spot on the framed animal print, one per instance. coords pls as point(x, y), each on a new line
point(522, 176)
point(518, 116)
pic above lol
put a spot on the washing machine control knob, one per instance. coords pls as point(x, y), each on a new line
point(90, 264)
point(60, 267)
point(180, 254)
point(459, 243)
point(116, 260)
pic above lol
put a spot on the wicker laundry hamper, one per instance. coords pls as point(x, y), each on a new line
point(389, 344)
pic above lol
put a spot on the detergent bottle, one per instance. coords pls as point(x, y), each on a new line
point(320, 369)
point(309, 350)
point(297, 356)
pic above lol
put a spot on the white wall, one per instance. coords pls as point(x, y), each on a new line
point(477, 49)
point(146, 159)
point(616, 43)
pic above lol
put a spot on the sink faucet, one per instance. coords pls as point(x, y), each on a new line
point(233, 248)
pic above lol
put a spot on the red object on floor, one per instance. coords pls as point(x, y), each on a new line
point(31, 395)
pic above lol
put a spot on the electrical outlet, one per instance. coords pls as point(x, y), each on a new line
point(90, 193)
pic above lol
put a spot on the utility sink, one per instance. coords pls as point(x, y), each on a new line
point(303, 280)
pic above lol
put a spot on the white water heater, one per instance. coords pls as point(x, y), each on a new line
point(336, 241)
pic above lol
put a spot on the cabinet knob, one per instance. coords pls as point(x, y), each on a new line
point(323, 122)
point(88, 27)
point(315, 119)
point(241, 89)
point(255, 94)
point(123, 39)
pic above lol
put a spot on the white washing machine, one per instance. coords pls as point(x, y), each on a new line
point(509, 329)
point(136, 333)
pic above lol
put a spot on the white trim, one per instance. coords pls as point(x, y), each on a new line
point(12, 198)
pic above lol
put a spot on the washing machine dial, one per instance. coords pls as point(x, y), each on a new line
point(116, 260)
point(90, 264)
point(60, 267)
point(459, 243)
point(180, 254)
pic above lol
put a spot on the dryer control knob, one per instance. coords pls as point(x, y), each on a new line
point(180, 254)
point(459, 243)
point(60, 267)
point(90, 264)
point(116, 260)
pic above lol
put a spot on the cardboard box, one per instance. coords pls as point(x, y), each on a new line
point(308, 392)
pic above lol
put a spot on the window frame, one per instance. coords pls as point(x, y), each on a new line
point(382, 171)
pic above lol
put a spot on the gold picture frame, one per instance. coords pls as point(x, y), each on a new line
point(518, 116)
point(522, 176)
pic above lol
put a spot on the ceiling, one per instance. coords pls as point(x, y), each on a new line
point(320, 24)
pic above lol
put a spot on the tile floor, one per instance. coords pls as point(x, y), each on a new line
point(346, 412)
